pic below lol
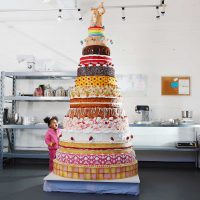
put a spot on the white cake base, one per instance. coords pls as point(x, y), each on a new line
point(54, 183)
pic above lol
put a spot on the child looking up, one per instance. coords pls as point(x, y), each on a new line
point(52, 138)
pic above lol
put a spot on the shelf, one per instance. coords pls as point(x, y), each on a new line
point(32, 126)
point(41, 75)
point(15, 76)
point(159, 148)
point(27, 154)
point(36, 98)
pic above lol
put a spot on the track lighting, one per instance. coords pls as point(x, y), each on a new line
point(163, 5)
point(80, 16)
point(59, 18)
point(158, 12)
point(123, 14)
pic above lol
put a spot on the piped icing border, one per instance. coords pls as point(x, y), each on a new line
point(95, 158)
point(96, 125)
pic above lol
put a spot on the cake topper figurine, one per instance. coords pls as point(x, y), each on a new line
point(97, 15)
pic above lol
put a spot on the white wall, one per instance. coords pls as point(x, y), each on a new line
point(142, 44)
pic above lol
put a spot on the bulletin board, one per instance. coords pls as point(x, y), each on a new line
point(175, 85)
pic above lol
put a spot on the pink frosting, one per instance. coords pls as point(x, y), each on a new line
point(95, 159)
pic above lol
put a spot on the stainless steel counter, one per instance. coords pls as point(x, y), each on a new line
point(196, 125)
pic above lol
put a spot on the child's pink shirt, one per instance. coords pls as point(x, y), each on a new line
point(52, 136)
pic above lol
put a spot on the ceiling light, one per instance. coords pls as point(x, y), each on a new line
point(59, 18)
point(158, 12)
point(163, 6)
point(123, 14)
point(80, 16)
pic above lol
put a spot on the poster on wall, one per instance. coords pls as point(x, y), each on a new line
point(175, 85)
point(132, 84)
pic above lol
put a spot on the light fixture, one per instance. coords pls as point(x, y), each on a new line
point(123, 14)
point(59, 18)
point(158, 12)
point(80, 16)
point(163, 5)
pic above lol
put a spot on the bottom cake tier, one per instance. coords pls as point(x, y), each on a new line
point(95, 161)
point(95, 172)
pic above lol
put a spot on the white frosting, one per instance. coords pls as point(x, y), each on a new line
point(97, 130)
point(95, 137)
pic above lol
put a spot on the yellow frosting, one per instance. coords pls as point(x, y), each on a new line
point(95, 172)
point(94, 145)
point(96, 81)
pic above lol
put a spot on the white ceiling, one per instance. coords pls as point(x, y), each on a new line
point(39, 33)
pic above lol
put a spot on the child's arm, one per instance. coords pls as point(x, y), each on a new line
point(59, 133)
point(48, 140)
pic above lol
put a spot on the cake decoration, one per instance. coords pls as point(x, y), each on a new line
point(95, 60)
point(94, 91)
point(96, 143)
point(96, 124)
point(96, 50)
point(96, 71)
point(95, 31)
point(96, 81)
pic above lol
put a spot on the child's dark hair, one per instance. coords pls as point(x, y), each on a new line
point(49, 119)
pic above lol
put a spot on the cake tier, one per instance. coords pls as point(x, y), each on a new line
point(95, 60)
point(95, 31)
point(95, 157)
point(95, 103)
point(96, 71)
point(96, 136)
point(96, 81)
point(95, 146)
point(96, 49)
point(95, 173)
point(94, 91)
point(95, 40)
point(96, 124)
point(111, 113)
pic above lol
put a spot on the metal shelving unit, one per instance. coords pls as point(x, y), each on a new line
point(10, 129)
point(26, 154)
point(34, 98)
point(32, 126)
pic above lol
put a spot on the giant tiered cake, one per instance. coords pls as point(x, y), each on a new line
point(96, 143)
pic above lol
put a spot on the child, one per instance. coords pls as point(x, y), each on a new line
point(52, 138)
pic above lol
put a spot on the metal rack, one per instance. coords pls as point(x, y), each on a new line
point(10, 129)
